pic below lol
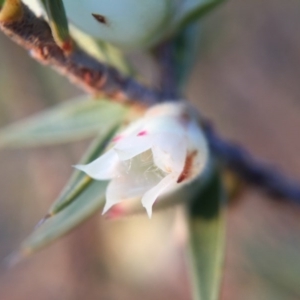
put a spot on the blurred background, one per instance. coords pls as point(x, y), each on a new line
point(247, 81)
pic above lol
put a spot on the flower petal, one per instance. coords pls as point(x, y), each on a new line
point(121, 189)
point(103, 168)
point(150, 196)
point(136, 176)
point(164, 125)
point(112, 196)
point(131, 146)
point(169, 152)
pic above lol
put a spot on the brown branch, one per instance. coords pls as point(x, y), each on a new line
point(165, 55)
point(34, 35)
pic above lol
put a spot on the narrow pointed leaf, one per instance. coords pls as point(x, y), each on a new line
point(87, 203)
point(71, 121)
point(81, 198)
point(187, 41)
point(79, 181)
point(58, 23)
point(207, 228)
point(192, 10)
point(186, 46)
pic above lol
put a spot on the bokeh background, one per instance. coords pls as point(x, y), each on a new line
point(247, 81)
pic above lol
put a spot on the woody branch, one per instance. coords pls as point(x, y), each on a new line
point(34, 35)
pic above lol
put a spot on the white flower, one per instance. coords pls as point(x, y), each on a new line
point(154, 155)
point(125, 23)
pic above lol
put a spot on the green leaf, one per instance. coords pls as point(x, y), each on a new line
point(102, 51)
point(81, 198)
point(192, 10)
point(1, 3)
point(79, 180)
point(187, 40)
point(88, 202)
point(71, 121)
point(58, 23)
point(186, 46)
point(207, 228)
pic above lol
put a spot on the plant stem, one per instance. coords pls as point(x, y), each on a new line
point(34, 34)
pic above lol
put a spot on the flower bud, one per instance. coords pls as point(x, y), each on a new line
point(152, 159)
point(125, 23)
point(131, 24)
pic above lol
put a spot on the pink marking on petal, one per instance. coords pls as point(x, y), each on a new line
point(117, 138)
point(115, 212)
point(142, 133)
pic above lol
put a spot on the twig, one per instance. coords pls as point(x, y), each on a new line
point(252, 170)
point(34, 35)
point(166, 60)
